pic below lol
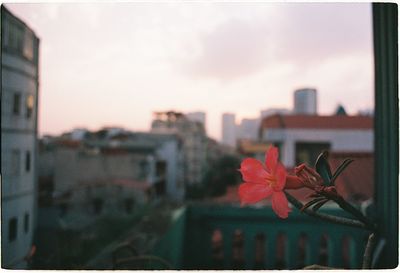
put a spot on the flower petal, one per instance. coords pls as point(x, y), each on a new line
point(280, 204)
point(253, 171)
point(271, 159)
point(280, 176)
point(250, 193)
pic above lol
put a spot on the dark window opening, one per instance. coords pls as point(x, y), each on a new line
point(26, 223)
point(161, 170)
point(307, 152)
point(16, 103)
point(143, 169)
point(28, 161)
point(12, 229)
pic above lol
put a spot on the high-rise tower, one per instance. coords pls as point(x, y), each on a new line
point(305, 101)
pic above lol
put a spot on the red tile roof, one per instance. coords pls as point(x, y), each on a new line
point(318, 122)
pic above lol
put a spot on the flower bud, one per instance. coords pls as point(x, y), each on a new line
point(308, 176)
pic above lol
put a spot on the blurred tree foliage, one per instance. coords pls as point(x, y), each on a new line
point(222, 173)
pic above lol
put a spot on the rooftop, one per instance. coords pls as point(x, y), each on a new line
point(342, 122)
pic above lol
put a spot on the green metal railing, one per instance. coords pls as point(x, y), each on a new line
point(215, 237)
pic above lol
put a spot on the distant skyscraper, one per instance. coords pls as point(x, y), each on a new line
point(305, 101)
point(249, 128)
point(197, 116)
point(19, 101)
point(228, 129)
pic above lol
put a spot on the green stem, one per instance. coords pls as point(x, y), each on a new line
point(368, 252)
point(326, 217)
point(355, 212)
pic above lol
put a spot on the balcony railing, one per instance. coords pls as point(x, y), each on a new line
point(214, 237)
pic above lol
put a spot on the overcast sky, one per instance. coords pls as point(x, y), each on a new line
point(113, 64)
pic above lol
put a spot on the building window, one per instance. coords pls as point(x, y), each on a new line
point(16, 103)
point(15, 37)
point(29, 106)
point(15, 162)
point(307, 152)
point(28, 161)
point(12, 229)
point(26, 223)
point(28, 46)
point(143, 169)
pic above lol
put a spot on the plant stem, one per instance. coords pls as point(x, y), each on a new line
point(368, 251)
point(327, 217)
point(355, 212)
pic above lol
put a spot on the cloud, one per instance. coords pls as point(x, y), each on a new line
point(233, 49)
point(302, 35)
point(307, 34)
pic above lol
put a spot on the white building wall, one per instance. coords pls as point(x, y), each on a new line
point(169, 152)
point(340, 140)
point(13, 252)
point(18, 136)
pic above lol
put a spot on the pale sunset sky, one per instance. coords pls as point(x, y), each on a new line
point(113, 64)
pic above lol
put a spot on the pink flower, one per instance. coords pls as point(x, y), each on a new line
point(261, 182)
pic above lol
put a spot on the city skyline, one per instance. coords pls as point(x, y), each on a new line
point(114, 64)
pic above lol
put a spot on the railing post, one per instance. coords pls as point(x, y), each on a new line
point(313, 242)
point(386, 129)
point(270, 254)
point(227, 237)
point(292, 249)
point(249, 249)
point(334, 250)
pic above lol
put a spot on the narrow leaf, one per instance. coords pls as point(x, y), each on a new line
point(340, 169)
point(312, 202)
point(323, 168)
point(319, 205)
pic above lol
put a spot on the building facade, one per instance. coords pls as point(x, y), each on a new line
point(194, 141)
point(197, 116)
point(19, 104)
point(228, 129)
point(305, 101)
point(248, 129)
point(302, 137)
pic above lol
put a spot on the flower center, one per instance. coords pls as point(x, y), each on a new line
point(271, 180)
